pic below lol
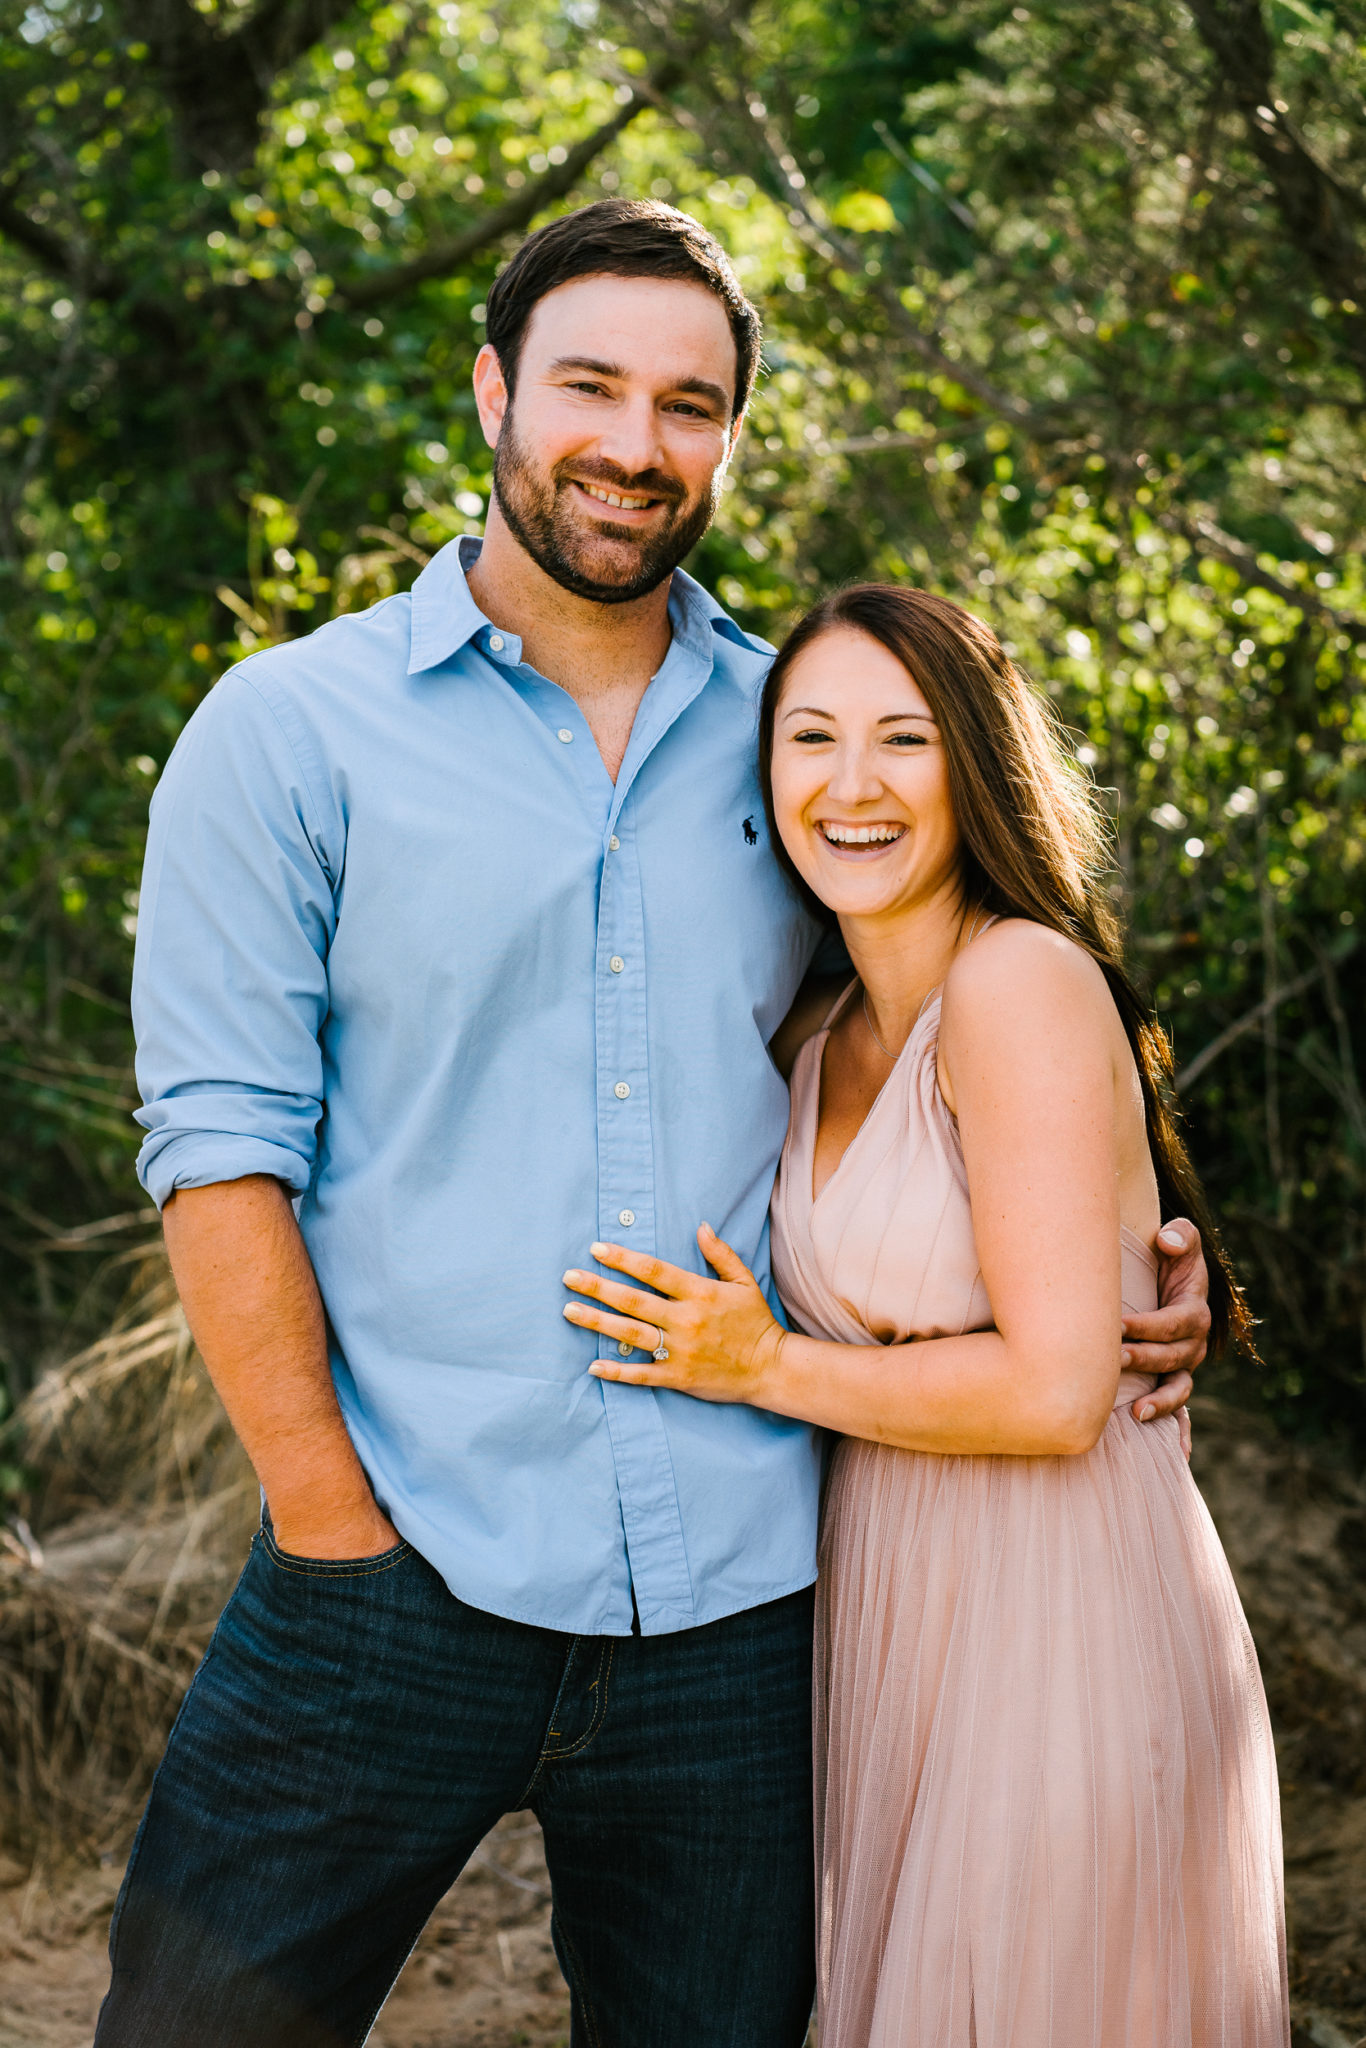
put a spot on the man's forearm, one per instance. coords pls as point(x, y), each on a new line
point(253, 1305)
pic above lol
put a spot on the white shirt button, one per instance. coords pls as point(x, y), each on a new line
point(622, 1090)
point(613, 844)
point(497, 642)
point(628, 1217)
point(564, 734)
point(616, 963)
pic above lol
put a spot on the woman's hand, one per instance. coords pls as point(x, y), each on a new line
point(720, 1335)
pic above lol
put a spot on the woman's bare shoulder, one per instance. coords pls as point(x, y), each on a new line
point(1019, 987)
point(810, 1007)
point(1018, 958)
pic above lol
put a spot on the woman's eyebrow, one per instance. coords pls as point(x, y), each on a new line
point(888, 718)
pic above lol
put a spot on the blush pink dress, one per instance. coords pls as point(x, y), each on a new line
point(1046, 1799)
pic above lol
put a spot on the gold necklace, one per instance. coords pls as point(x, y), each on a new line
point(867, 1015)
point(867, 1018)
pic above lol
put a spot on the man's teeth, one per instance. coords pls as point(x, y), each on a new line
point(862, 835)
point(615, 498)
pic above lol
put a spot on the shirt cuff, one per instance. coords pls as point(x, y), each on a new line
point(200, 1159)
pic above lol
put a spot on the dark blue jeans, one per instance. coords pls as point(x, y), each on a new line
point(353, 1733)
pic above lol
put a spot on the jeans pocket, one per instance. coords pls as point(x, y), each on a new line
point(332, 1567)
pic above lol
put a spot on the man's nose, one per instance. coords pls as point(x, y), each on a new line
point(631, 439)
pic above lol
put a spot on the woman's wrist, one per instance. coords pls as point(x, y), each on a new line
point(767, 1369)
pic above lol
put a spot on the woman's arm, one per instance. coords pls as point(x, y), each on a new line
point(1028, 1061)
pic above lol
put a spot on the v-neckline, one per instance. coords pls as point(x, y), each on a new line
point(821, 1041)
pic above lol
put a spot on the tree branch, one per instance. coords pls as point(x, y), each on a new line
point(1208, 539)
point(809, 220)
point(46, 248)
point(439, 259)
point(1311, 203)
point(280, 31)
point(219, 84)
point(1208, 1054)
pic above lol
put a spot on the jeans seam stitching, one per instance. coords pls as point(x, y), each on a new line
point(362, 1570)
point(580, 1985)
point(604, 1674)
point(547, 1754)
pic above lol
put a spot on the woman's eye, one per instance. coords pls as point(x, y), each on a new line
point(907, 739)
point(806, 739)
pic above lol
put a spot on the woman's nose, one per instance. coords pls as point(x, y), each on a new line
point(853, 778)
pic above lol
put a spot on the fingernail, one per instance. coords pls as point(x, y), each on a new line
point(573, 1277)
point(1126, 1357)
point(571, 1310)
point(599, 1251)
point(1172, 1238)
point(1146, 1414)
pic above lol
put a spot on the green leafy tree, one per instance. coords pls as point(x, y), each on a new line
point(1066, 316)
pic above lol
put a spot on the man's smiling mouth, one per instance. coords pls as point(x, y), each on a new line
point(859, 835)
point(625, 500)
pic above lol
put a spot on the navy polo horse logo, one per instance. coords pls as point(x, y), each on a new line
point(751, 836)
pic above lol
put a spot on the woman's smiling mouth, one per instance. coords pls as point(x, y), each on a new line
point(859, 839)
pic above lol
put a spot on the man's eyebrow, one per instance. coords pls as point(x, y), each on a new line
point(588, 363)
point(700, 388)
point(697, 387)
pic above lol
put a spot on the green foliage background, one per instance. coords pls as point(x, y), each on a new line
point(1066, 314)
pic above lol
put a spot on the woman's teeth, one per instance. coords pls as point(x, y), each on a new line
point(616, 498)
point(861, 835)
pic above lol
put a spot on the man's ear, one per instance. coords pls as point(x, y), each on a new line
point(490, 393)
point(733, 435)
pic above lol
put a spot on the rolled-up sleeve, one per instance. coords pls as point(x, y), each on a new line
point(235, 919)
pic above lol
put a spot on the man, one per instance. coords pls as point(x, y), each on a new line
point(459, 928)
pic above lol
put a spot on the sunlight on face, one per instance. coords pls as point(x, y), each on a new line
point(860, 780)
point(610, 457)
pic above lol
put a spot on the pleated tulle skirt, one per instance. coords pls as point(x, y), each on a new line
point(1047, 1807)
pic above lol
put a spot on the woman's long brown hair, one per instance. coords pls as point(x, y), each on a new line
point(1035, 844)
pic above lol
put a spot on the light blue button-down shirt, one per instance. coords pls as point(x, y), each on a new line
point(404, 945)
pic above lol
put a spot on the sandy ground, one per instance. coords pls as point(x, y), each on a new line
point(484, 1974)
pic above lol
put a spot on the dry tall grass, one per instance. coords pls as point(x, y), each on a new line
point(108, 1598)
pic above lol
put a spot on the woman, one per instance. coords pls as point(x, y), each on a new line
point(1046, 1799)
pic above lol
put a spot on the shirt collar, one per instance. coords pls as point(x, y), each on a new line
point(445, 616)
point(444, 613)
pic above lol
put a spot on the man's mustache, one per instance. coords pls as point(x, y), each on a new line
point(644, 483)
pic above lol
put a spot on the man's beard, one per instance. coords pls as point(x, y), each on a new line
point(538, 514)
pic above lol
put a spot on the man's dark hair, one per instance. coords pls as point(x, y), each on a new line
point(620, 238)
